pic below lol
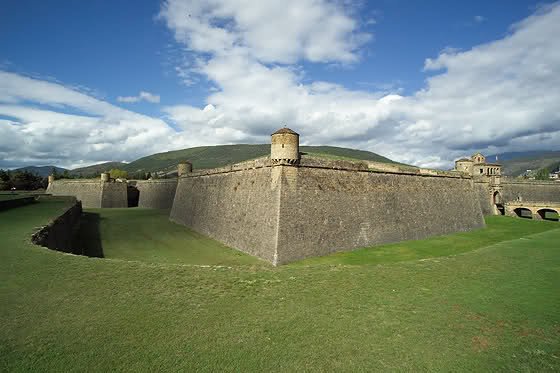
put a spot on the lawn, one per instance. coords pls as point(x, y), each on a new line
point(148, 235)
point(494, 308)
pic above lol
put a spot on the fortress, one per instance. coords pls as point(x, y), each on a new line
point(290, 206)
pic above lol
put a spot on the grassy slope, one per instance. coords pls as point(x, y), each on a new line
point(217, 156)
point(148, 235)
point(96, 169)
point(491, 309)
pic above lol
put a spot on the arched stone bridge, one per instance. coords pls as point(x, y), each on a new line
point(533, 210)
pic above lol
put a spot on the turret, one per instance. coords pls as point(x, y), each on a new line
point(105, 177)
point(184, 168)
point(285, 146)
point(51, 179)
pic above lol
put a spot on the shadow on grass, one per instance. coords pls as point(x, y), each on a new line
point(88, 239)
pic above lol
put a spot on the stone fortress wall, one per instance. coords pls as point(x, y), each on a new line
point(93, 193)
point(236, 205)
point(286, 208)
point(156, 194)
point(530, 190)
point(326, 210)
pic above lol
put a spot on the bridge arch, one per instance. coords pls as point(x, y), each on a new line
point(548, 214)
point(523, 212)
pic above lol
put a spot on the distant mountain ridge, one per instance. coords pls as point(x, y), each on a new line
point(96, 169)
point(516, 163)
point(42, 171)
point(204, 157)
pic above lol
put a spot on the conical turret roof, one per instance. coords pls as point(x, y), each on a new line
point(285, 130)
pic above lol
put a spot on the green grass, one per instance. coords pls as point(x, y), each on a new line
point(498, 229)
point(5, 196)
point(491, 309)
point(148, 235)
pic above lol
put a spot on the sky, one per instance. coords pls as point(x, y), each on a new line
point(424, 83)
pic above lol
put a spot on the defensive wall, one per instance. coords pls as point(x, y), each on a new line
point(495, 190)
point(237, 205)
point(93, 193)
point(60, 234)
point(156, 194)
point(285, 211)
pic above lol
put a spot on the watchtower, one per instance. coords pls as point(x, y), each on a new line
point(284, 147)
point(184, 168)
point(105, 177)
point(51, 179)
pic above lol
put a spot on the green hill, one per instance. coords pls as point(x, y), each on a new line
point(517, 166)
point(96, 169)
point(221, 155)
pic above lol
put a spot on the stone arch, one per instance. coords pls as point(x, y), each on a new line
point(548, 214)
point(498, 204)
point(133, 195)
point(523, 212)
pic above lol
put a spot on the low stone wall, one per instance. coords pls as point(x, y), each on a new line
point(92, 193)
point(16, 202)
point(156, 194)
point(60, 233)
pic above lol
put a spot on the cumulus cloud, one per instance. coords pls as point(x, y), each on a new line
point(48, 123)
point(500, 96)
point(496, 97)
point(142, 96)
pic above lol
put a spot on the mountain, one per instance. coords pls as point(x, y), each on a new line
point(96, 169)
point(42, 171)
point(516, 163)
point(221, 155)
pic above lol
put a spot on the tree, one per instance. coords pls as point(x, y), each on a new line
point(118, 174)
point(54, 172)
point(542, 174)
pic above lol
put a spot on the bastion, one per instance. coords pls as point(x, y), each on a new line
point(288, 207)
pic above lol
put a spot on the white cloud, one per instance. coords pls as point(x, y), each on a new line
point(47, 123)
point(479, 19)
point(500, 96)
point(495, 97)
point(268, 31)
point(142, 96)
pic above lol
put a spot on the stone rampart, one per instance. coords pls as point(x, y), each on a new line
point(156, 194)
point(532, 190)
point(93, 193)
point(284, 213)
point(60, 234)
point(327, 210)
point(483, 194)
point(237, 207)
point(114, 195)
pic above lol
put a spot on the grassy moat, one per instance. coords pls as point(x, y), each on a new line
point(167, 299)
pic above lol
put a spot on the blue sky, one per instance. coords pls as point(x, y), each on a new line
point(420, 82)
